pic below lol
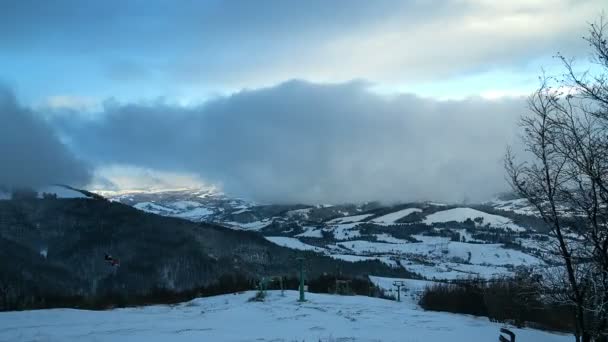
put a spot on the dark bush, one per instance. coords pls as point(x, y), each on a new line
point(504, 300)
point(454, 298)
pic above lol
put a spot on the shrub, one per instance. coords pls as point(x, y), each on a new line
point(260, 296)
point(503, 300)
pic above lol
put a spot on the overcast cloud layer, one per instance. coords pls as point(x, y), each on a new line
point(311, 143)
point(326, 139)
point(30, 152)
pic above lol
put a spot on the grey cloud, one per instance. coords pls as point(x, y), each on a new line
point(30, 153)
point(305, 142)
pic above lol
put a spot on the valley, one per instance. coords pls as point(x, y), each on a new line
point(433, 240)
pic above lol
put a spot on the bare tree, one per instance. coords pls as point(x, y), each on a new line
point(566, 179)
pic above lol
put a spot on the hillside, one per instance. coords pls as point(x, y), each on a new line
point(52, 249)
point(434, 240)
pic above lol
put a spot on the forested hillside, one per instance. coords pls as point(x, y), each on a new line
point(52, 253)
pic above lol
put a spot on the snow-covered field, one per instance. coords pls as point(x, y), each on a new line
point(233, 318)
point(519, 206)
point(433, 257)
point(195, 214)
point(462, 214)
point(393, 217)
point(445, 250)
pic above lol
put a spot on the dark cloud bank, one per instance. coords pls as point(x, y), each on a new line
point(30, 153)
point(304, 142)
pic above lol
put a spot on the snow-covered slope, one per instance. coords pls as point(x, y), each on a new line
point(233, 318)
point(154, 208)
point(444, 249)
point(462, 214)
point(195, 214)
point(292, 243)
point(393, 217)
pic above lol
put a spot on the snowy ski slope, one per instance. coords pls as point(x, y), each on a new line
point(232, 318)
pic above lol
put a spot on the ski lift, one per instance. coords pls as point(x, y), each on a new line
point(112, 261)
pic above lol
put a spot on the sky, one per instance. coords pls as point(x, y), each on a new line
point(276, 101)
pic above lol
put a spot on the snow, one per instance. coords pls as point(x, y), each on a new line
point(232, 317)
point(462, 214)
point(392, 217)
point(311, 232)
point(184, 205)
point(154, 208)
point(438, 204)
point(355, 258)
point(243, 210)
point(351, 258)
point(481, 254)
point(195, 214)
point(345, 231)
point(467, 236)
point(388, 238)
point(452, 271)
point(444, 259)
point(519, 206)
point(349, 219)
point(293, 243)
point(182, 209)
point(303, 213)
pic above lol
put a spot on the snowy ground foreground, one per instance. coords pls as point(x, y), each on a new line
point(233, 318)
point(311, 232)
